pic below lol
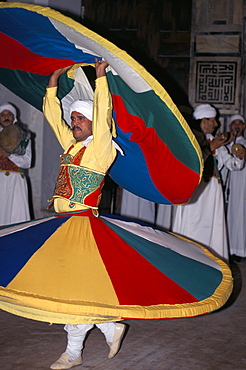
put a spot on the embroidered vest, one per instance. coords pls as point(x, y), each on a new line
point(78, 184)
point(8, 166)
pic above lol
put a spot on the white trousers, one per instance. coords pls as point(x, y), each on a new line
point(76, 335)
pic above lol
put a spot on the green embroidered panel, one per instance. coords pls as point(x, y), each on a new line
point(84, 182)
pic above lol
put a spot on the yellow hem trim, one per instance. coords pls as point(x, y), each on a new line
point(87, 312)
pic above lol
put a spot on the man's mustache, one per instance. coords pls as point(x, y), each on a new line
point(76, 128)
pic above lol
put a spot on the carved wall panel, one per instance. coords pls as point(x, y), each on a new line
point(216, 82)
point(217, 57)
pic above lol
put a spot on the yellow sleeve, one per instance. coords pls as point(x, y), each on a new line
point(53, 115)
point(101, 153)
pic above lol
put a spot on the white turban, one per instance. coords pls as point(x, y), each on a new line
point(9, 107)
point(84, 107)
point(204, 111)
point(236, 116)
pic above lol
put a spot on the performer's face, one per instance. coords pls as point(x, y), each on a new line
point(237, 124)
point(208, 125)
point(6, 118)
point(81, 126)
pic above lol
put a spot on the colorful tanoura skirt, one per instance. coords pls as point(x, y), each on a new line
point(80, 269)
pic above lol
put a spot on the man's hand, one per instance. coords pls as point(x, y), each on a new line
point(219, 141)
point(238, 150)
point(55, 76)
point(100, 67)
point(216, 143)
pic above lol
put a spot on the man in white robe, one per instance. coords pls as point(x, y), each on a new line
point(203, 218)
point(235, 192)
point(14, 191)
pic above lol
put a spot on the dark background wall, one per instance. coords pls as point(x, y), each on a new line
point(155, 33)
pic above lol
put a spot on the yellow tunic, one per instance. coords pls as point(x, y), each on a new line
point(100, 153)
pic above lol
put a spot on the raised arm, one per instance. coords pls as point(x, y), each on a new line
point(101, 149)
point(100, 67)
point(52, 109)
point(53, 81)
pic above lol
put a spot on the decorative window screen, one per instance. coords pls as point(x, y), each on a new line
point(216, 82)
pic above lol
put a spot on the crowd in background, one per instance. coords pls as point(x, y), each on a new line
point(216, 213)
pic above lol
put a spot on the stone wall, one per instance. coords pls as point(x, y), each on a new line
point(217, 56)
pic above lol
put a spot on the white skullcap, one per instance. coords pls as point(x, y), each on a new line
point(84, 107)
point(204, 111)
point(9, 107)
point(236, 116)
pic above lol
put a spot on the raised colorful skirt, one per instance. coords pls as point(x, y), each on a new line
point(81, 270)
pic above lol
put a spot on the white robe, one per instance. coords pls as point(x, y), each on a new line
point(14, 193)
point(236, 212)
point(203, 218)
point(164, 216)
point(137, 208)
